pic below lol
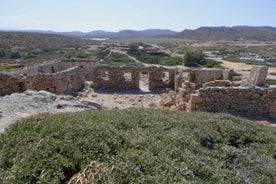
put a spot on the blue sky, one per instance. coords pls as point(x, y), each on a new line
point(114, 15)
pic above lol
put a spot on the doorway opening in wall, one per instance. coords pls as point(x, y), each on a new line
point(71, 82)
point(128, 76)
point(52, 69)
point(144, 81)
point(166, 77)
point(105, 76)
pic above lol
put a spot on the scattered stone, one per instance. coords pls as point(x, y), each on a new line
point(59, 106)
point(94, 95)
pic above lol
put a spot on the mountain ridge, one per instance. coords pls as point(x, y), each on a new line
point(261, 33)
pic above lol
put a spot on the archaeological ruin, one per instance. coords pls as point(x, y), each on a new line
point(209, 90)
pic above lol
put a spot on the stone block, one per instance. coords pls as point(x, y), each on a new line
point(272, 115)
point(272, 92)
point(195, 98)
point(258, 75)
point(272, 108)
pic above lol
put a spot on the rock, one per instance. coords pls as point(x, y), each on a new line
point(195, 98)
point(59, 106)
point(152, 104)
point(18, 106)
point(93, 104)
point(167, 101)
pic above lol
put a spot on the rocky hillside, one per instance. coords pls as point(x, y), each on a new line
point(230, 33)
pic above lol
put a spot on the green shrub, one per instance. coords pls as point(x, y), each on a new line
point(210, 63)
point(138, 146)
point(15, 55)
point(2, 53)
point(9, 68)
point(192, 58)
point(271, 81)
point(118, 59)
point(156, 57)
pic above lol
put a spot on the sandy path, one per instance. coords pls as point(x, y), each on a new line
point(244, 69)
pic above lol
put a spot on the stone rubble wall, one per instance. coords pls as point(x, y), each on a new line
point(220, 83)
point(88, 66)
point(157, 78)
point(10, 83)
point(245, 101)
point(69, 81)
point(48, 67)
point(258, 75)
point(66, 82)
point(201, 76)
point(105, 77)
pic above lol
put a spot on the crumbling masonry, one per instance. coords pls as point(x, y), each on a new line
point(208, 90)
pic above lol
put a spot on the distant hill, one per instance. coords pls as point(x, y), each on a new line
point(261, 33)
point(230, 33)
point(106, 34)
point(131, 33)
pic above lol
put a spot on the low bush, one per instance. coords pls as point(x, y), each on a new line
point(210, 63)
point(138, 146)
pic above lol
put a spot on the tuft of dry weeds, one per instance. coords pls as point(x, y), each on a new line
point(92, 173)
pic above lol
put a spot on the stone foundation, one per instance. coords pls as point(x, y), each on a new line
point(252, 102)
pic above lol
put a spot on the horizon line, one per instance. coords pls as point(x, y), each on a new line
point(49, 30)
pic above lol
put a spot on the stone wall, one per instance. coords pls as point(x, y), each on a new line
point(54, 66)
point(47, 67)
point(87, 65)
point(258, 75)
point(69, 81)
point(252, 102)
point(10, 83)
point(199, 77)
point(160, 77)
point(106, 77)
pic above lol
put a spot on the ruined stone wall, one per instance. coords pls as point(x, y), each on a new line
point(253, 102)
point(88, 66)
point(48, 67)
point(10, 83)
point(69, 81)
point(55, 66)
point(105, 77)
point(199, 77)
point(258, 75)
point(66, 82)
point(161, 78)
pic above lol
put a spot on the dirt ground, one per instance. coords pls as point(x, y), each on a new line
point(244, 69)
point(143, 98)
